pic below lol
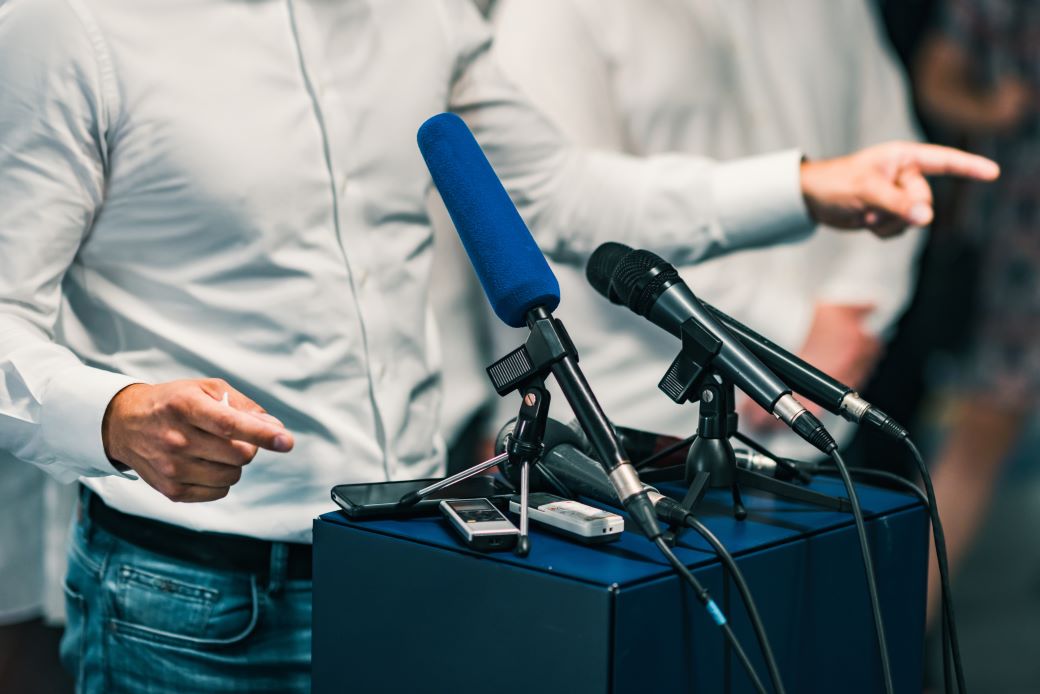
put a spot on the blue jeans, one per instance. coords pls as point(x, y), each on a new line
point(143, 623)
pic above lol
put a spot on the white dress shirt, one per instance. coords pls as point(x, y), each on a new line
point(726, 79)
point(232, 189)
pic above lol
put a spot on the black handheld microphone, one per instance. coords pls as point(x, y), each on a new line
point(823, 389)
point(584, 476)
point(652, 288)
point(567, 459)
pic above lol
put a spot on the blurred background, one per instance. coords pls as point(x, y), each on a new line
point(960, 366)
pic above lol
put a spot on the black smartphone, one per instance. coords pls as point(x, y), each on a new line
point(379, 499)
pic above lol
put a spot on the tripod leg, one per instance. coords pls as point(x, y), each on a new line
point(412, 498)
point(698, 487)
point(523, 544)
point(793, 492)
point(739, 512)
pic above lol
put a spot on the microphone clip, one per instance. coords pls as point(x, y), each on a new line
point(547, 345)
point(688, 370)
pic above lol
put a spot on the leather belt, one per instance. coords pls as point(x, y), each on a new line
point(210, 550)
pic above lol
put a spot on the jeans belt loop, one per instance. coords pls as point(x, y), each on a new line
point(278, 573)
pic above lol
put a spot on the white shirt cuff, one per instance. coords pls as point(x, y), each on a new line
point(74, 406)
point(759, 200)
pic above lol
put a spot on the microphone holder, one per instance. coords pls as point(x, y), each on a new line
point(524, 370)
point(710, 461)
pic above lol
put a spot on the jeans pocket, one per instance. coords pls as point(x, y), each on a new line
point(180, 606)
point(74, 639)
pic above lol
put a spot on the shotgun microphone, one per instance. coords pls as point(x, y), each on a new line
point(522, 290)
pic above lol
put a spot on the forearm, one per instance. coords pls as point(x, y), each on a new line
point(685, 208)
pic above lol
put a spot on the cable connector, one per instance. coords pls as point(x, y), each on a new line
point(812, 430)
point(641, 510)
point(885, 423)
point(669, 510)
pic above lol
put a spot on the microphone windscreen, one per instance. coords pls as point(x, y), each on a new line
point(511, 268)
point(599, 270)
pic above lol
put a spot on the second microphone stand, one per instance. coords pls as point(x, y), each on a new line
point(710, 461)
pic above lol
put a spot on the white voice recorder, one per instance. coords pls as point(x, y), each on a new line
point(571, 518)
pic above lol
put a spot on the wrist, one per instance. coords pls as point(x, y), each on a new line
point(808, 171)
point(110, 425)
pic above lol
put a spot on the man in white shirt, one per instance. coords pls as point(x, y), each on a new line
point(727, 80)
point(212, 205)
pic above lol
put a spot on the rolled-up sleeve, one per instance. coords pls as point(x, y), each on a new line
point(52, 172)
point(686, 208)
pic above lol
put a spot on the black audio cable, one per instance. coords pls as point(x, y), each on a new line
point(745, 594)
point(868, 562)
point(868, 567)
point(717, 616)
point(951, 643)
point(671, 511)
point(890, 477)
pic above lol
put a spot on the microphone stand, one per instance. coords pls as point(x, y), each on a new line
point(548, 348)
point(710, 461)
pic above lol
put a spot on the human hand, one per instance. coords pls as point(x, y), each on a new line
point(836, 344)
point(184, 441)
point(883, 188)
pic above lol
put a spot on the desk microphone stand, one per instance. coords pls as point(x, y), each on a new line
point(524, 370)
point(711, 461)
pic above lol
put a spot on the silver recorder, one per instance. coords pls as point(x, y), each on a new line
point(481, 525)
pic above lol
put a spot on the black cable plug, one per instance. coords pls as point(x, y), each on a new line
point(877, 418)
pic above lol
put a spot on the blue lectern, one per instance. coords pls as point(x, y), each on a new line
point(403, 606)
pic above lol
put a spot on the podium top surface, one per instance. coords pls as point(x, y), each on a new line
point(632, 559)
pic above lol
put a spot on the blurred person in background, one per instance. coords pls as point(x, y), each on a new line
point(978, 75)
point(725, 80)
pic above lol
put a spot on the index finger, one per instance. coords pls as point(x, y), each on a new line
point(936, 160)
point(228, 423)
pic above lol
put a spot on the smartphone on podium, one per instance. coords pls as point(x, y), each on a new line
point(379, 499)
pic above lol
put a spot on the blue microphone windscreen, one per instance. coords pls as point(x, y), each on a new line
point(511, 267)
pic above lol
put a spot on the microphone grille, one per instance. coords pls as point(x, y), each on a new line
point(638, 280)
point(601, 267)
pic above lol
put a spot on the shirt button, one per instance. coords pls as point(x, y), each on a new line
point(342, 185)
point(362, 278)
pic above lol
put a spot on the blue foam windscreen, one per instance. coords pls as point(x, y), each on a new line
point(511, 267)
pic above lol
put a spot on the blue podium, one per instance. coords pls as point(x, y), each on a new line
point(403, 606)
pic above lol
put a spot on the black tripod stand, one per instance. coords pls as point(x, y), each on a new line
point(710, 461)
